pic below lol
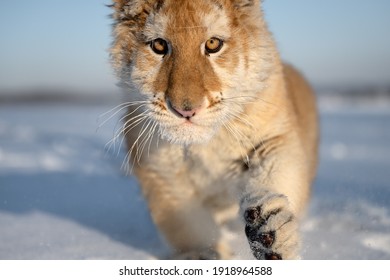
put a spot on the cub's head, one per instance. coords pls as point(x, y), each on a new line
point(193, 64)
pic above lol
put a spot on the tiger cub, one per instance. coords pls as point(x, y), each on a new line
point(217, 127)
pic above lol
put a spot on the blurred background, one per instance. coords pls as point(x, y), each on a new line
point(62, 194)
point(62, 45)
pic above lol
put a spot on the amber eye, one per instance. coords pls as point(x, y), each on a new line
point(213, 45)
point(159, 46)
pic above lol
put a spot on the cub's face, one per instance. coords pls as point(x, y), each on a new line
point(193, 65)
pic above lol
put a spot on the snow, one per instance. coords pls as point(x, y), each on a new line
point(63, 194)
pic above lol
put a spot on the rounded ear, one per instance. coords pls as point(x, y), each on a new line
point(127, 9)
point(248, 9)
point(245, 3)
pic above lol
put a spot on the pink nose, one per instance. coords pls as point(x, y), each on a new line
point(186, 112)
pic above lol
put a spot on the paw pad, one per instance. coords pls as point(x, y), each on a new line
point(253, 215)
point(271, 227)
point(267, 239)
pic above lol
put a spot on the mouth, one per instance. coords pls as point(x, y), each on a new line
point(186, 133)
point(188, 123)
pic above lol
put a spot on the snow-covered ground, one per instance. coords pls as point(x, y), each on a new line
point(63, 195)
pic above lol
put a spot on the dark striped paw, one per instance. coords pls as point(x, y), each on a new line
point(271, 228)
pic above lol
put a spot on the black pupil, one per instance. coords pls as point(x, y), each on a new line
point(213, 45)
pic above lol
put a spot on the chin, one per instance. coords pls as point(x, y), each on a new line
point(187, 134)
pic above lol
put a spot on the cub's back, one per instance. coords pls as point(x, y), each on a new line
point(304, 105)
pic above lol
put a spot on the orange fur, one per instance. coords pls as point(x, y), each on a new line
point(236, 128)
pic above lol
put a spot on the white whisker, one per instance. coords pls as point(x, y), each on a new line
point(152, 135)
point(246, 100)
point(114, 111)
point(143, 142)
point(140, 134)
point(241, 117)
point(124, 129)
point(126, 116)
point(233, 132)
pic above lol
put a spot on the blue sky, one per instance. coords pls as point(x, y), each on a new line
point(63, 43)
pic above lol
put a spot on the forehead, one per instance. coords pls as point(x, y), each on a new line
point(188, 18)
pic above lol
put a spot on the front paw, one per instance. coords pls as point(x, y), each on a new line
point(271, 228)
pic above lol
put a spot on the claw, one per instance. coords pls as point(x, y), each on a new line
point(265, 229)
point(273, 256)
point(267, 239)
point(251, 233)
point(253, 216)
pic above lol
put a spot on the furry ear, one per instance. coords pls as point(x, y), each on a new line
point(130, 9)
point(248, 9)
point(245, 3)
